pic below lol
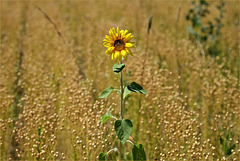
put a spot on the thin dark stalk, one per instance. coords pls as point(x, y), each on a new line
point(49, 19)
point(177, 51)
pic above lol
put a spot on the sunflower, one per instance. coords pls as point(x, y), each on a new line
point(118, 44)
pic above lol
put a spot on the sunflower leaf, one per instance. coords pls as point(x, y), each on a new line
point(118, 67)
point(107, 116)
point(138, 152)
point(134, 87)
point(123, 129)
point(126, 92)
point(106, 92)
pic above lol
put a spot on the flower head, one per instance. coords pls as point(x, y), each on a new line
point(118, 44)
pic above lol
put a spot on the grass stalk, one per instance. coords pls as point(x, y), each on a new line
point(50, 20)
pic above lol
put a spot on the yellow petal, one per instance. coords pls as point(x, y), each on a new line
point(124, 54)
point(124, 33)
point(129, 45)
point(108, 41)
point(107, 44)
point(110, 32)
point(129, 51)
point(109, 51)
point(107, 38)
point(118, 33)
point(113, 56)
point(116, 55)
point(128, 37)
point(120, 57)
point(114, 33)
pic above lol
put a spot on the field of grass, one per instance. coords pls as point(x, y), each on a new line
point(53, 67)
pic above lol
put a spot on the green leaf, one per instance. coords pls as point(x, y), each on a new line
point(138, 152)
point(107, 116)
point(149, 23)
point(123, 129)
point(126, 92)
point(134, 87)
point(102, 156)
point(118, 67)
point(106, 92)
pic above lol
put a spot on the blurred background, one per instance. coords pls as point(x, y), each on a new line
point(53, 67)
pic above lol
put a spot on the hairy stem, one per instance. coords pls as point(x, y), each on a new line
point(121, 101)
point(121, 113)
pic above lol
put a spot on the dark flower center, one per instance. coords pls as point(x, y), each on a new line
point(118, 44)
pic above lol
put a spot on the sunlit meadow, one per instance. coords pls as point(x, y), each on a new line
point(53, 68)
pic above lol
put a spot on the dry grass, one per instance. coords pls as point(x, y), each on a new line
point(55, 83)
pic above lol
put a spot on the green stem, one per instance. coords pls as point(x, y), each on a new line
point(121, 113)
point(122, 101)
